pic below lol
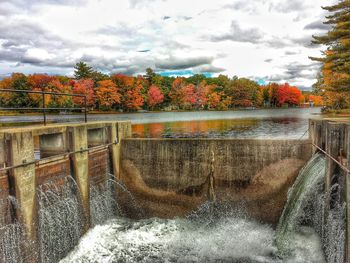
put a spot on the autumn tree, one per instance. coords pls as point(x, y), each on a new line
point(273, 88)
point(59, 101)
point(244, 92)
point(213, 97)
point(5, 97)
point(39, 82)
point(336, 59)
point(107, 94)
point(183, 94)
point(288, 95)
point(154, 97)
point(84, 87)
point(201, 95)
point(176, 92)
point(132, 98)
point(17, 81)
point(131, 90)
point(316, 100)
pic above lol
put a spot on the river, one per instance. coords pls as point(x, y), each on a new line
point(261, 123)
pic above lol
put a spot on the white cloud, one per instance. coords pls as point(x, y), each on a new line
point(235, 37)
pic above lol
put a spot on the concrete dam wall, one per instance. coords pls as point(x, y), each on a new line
point(169, 177)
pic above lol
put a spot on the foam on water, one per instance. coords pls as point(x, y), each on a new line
point(229, 239)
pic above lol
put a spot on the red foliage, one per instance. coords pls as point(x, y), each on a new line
point(288, 94)
point(155, 96)
point(85, 87)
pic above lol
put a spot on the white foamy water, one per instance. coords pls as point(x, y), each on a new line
point(182, 240)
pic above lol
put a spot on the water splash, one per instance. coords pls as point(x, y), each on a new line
point(103, 205)
point(15, 247)
point(309, 205)
point(310, 177)
point(60, 220)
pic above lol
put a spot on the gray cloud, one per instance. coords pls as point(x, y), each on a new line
point(296, 71)
point(8, 7)
point(304, 41)
point(237, 34)
point(289, 53)
point(317, 25)
point(287, 6)
point(242, 5)
point(209, 68)
point(182, 63)
point(268, 60)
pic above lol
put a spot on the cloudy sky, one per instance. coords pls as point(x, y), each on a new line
point(267, 40)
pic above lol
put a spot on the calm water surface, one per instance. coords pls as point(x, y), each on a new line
point(271, 123)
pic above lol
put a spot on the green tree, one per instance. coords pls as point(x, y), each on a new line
point(150, 75)
point(82, 71)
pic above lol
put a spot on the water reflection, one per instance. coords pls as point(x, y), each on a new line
point(227, 128)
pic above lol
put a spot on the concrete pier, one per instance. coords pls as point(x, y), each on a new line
point(332, 136)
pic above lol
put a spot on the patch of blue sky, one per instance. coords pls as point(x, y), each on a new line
point(183, 73)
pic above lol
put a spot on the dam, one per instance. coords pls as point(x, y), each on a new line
point(166, 198)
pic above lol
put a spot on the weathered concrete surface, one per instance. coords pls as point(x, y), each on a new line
point(172, 164)
point(52, 144)
point(181, 167)
point(78, 142)
point(20, 152)
point(332, 135)
point(153, 202)
point(97, 136)
point(119, 131)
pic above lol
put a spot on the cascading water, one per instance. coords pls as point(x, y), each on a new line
point(60, 220)
point(308, 180)
point(103, 205)
point(306, 206)
point(14, 246)
point(215, 233)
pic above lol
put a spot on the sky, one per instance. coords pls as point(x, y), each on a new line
point(264, 40)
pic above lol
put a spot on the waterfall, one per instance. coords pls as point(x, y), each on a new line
point(15, 247)
point(103, 205)
point(309, 205)
point(61, 220)
point(308, 181)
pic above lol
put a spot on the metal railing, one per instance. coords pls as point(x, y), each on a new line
point(45, 109)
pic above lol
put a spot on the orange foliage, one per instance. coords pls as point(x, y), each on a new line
point(317, 100)
point(107, 94)
point(5, 97)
